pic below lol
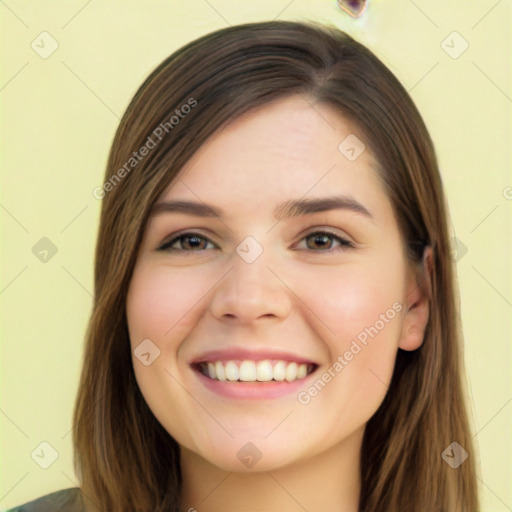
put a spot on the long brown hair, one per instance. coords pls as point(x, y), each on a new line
point(125, 459)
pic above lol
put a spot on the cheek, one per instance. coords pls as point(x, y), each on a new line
point(162, 303)
point(163, 306)
point(358, 310)
point(352, 298)
point(351, 385)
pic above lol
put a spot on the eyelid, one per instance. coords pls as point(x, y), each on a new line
point(345, 242)
point(174, 237)
point(334, 232)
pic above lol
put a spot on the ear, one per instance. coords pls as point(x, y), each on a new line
point(417, 310)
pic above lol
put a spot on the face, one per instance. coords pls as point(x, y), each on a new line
point(313, 297)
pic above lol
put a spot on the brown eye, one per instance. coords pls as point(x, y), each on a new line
point(320, 241)
point(323, 241)
point(186, 242)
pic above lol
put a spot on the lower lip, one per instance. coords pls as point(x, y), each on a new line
point(253, 390)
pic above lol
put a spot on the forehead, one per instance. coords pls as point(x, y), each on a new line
point(289, 148)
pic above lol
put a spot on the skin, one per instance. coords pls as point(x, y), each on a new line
point(308, 297)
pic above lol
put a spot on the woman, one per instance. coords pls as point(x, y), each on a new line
point(275, 325)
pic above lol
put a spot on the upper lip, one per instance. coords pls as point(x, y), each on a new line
point(243, 354)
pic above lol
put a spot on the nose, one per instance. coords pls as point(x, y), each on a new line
point(250, 291)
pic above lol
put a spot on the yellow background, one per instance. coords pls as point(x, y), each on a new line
point(59, 115)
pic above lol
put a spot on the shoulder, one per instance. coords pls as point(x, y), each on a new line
point(66, 500)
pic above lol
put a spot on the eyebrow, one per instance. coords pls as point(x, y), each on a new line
point(284, 210)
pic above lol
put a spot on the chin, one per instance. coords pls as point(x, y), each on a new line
point(249, 458)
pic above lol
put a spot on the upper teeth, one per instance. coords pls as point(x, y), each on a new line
point(251, 371)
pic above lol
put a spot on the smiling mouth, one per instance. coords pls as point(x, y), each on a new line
point(255, 371)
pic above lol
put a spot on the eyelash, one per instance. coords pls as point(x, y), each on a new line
point(344, 243)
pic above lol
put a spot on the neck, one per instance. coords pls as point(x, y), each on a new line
point(326, 481)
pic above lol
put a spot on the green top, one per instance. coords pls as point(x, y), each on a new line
point(66, 500)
